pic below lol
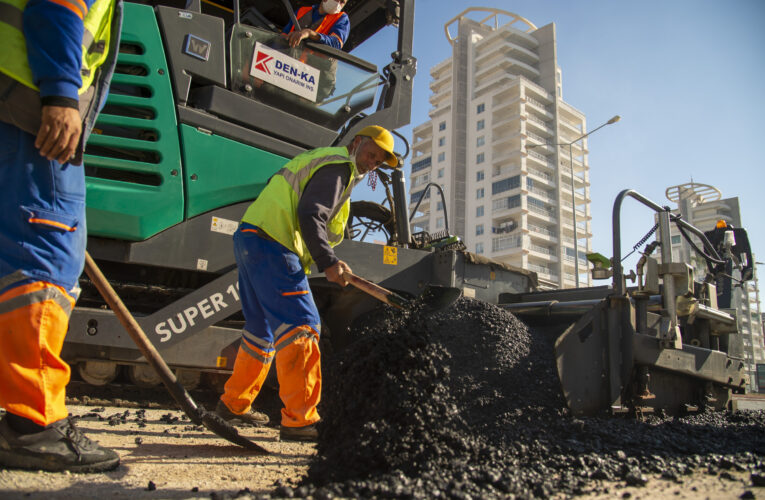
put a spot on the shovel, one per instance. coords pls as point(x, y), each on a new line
point(197, 414)
point(433, 299)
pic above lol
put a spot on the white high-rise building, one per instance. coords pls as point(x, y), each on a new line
point(703, 206)
point(497, 115)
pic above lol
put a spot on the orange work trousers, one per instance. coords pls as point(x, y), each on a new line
point(298, 369)
point(33, 323)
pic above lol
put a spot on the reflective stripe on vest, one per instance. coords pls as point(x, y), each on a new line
point(95, 40)
point(275, 210)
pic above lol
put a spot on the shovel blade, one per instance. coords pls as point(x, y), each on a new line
point(225, 430)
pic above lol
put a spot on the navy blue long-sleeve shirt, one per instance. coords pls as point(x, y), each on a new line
point(53, 33)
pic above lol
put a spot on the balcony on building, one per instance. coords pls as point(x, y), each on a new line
point(538, 174)
point(565, 197)
point(506, 67)
point(544, 272)
point(422, 132)
point(542, 234)
point(505, 169)
point(507, 115)
point(541, 253)
point(421, 165)
point(540, 156)
point(507, 245)
point(441, 69)
point(441, 98)
point(538, 127)
point(504, 155)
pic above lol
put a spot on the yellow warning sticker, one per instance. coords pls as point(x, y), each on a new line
point(390, 255)
point(221, 362)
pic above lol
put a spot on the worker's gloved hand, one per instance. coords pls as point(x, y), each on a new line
point(296, 37)
point(336, 271)
point(59, 133)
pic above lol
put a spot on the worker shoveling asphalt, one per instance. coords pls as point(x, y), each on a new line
point(467, 402)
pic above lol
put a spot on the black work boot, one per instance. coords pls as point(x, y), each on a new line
point(60, 446)
point(252, 417)
point(307, 433)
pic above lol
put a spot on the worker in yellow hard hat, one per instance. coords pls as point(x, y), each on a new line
point(296, 221)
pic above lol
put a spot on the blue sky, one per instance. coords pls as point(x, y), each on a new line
point(687, 78)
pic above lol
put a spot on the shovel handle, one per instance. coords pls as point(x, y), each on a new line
point(374, 290)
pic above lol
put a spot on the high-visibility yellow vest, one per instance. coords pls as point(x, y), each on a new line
point(95, 41)
point(275, 210)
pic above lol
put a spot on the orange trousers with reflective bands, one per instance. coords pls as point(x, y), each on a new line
point(33, 323)
point(298, 368)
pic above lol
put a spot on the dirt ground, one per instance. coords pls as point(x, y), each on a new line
point(179, 460)
point(171, 459)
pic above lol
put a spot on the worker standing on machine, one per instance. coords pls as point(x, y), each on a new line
point(324, 22)
point(297, 219)
point(57, 60)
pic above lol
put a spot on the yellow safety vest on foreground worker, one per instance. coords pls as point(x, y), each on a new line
point(95, 41)
point(275, 210)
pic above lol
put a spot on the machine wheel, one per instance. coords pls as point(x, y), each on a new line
point(188, 378)
point(98, 373)
point(143, 376)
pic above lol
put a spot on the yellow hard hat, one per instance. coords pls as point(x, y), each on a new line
point(382, 138)
point(721, 224)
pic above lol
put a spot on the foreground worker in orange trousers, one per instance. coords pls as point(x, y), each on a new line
point(55, 66)
point(297, 219)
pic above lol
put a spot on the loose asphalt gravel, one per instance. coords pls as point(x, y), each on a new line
point(466, 403)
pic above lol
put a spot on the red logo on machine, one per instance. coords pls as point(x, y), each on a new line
point(261, 59)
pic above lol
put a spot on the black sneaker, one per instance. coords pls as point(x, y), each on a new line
point(59, 447)
point(255, 418)
point(307, 433)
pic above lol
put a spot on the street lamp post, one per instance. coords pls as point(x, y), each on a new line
point(573, 192)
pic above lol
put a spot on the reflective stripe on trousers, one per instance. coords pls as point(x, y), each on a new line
point(298, 369)
point(34, 319)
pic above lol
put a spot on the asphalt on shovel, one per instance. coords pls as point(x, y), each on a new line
point(433, 299)
point(197, 414)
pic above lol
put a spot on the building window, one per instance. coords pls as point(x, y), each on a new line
point(479, 248)
point(513, 182)
point(479, 176)
point(441, 141)
point(480, 158)
point(439, 206)
point(505, 203)
point(479, 230)
point(480, 141)
point(441, 157)
point(479, 211)
point(480, 125)
point(441, 126)
point(415, 197)
point(440, 172)
point(676, 240)
point(439, 222)
point(480, 108)
point(422, 164)
point(479, 193)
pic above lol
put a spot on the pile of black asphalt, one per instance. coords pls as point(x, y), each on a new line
point(466, 403)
